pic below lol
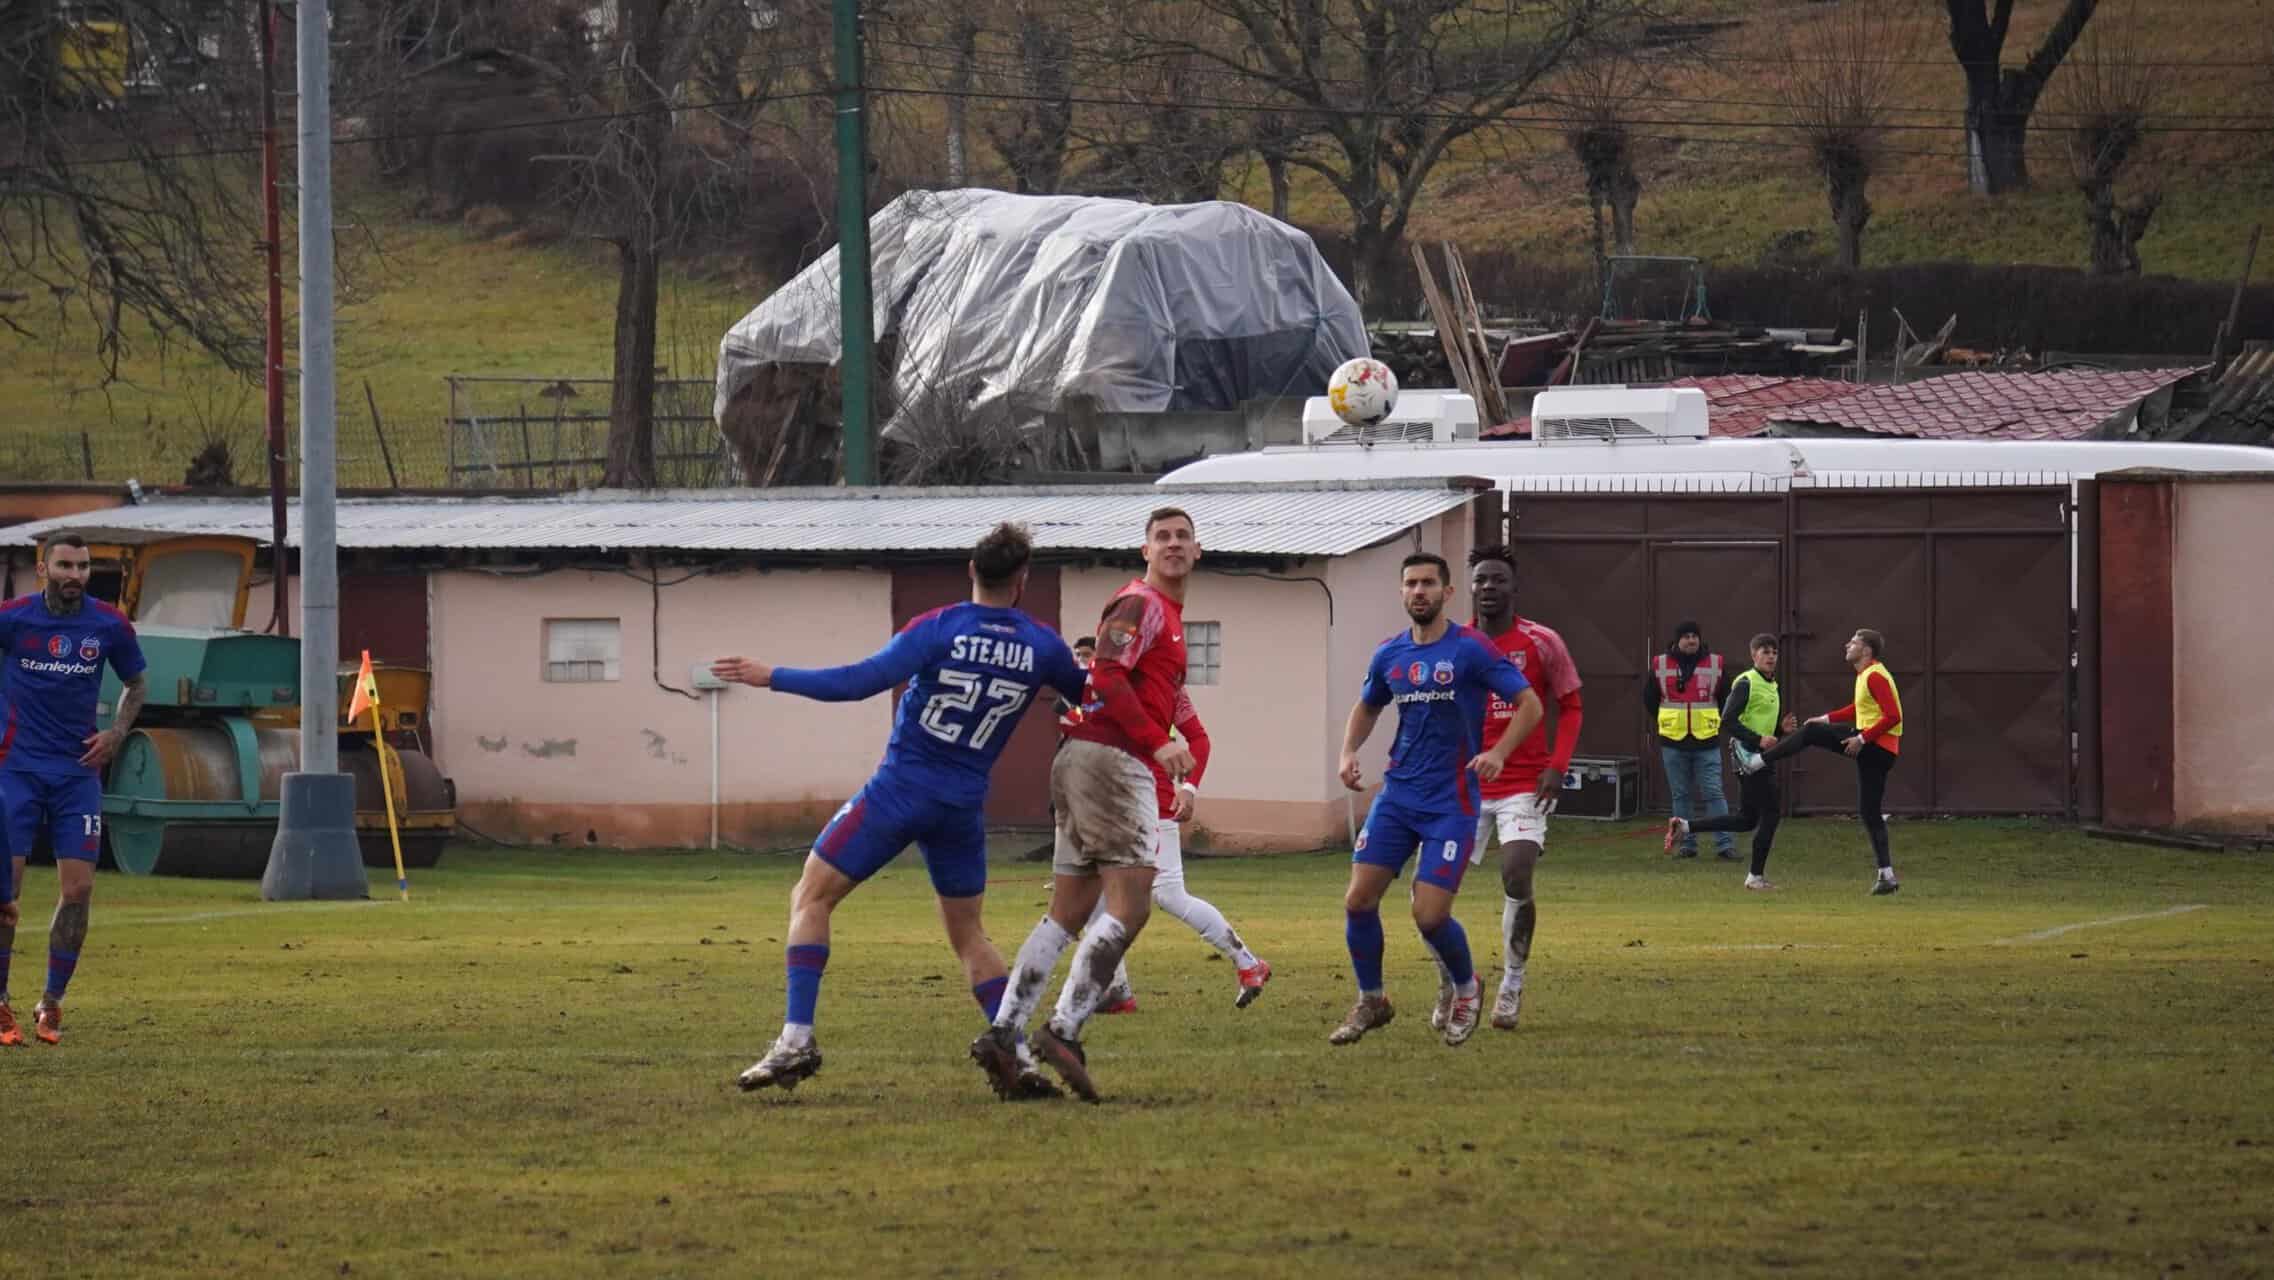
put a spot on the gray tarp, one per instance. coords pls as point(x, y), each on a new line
point(1023, 302)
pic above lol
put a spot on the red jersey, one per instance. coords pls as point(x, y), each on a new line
point(1137, 675)
point(1538, 652)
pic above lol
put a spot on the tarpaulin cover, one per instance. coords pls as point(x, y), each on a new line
point(1024, 302)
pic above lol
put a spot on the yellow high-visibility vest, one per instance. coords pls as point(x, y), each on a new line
point(1686, 708)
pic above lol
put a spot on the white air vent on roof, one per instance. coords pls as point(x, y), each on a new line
point(1420, 417)
point(1619, 413)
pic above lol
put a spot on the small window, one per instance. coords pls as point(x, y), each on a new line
point(1203, 652)
point(582, 650)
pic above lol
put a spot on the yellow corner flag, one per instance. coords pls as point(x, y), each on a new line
point(366, 698)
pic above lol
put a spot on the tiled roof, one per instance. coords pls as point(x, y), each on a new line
point(1989, 406)
point(1741, 404)
point(1737, 404)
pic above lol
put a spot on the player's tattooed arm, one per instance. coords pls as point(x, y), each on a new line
point(102, 745)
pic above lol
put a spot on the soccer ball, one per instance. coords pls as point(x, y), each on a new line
point(1362, 392)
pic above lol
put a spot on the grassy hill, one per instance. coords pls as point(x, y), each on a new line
point(479, 297)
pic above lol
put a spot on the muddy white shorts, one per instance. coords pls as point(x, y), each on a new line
point(1518, 817)
point(1108, 814)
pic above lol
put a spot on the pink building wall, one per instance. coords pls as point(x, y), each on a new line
point(625, 762)
point(2223, 767)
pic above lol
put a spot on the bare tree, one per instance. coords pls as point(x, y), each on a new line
point(1032, 126)
point(1838, 78)
point(1384, 87)
point(123, 177)
point(963, 51)
point(1999, 99)
point(2107, 96)
point(1602, 99)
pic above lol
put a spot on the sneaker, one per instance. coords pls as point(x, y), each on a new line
point(1461, 1021)
point(1370, 1013)
point(997, 1053)
point(1251, 984)
point(1880, 886)
point(1065, 1056)
point(1126, 1004)
point(10, 1034)
point(1759, 884)
point(47, 1022)
point(1727, 855)
point(1507, 1007)
point(1748, 760)
point(783, 1067)
point(1437, 1016)
point(1677, 829)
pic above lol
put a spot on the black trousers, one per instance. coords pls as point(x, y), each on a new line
point(1873, 764)
point(1760, 810)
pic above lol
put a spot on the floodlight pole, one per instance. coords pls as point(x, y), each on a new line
point(858, 360)
point(316, 854)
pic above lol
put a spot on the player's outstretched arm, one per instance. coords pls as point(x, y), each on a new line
point(895, 663)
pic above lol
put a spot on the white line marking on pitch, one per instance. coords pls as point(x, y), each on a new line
point(2055, 932)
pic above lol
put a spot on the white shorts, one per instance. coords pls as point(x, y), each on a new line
point(1517, 817)
point(1108, 815)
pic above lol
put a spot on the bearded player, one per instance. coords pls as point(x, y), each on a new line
point(972, 669)
point(1518, 802)
point(1440, 676)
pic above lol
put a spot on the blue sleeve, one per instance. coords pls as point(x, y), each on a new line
point(908, 653)
point(1059, 668)
point(1376, 691)
point(1498, 673)
point(126, 652)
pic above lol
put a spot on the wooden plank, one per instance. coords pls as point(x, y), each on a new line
point(1494, 405)
point(1441, 315)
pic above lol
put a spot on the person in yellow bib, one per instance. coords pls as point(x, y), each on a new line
point(1870, 731)
point(1752, 717)
point(1682, 696)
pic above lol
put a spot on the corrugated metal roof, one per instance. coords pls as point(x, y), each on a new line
point(1327, 520)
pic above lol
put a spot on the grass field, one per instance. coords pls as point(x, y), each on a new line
point(2030, 1061)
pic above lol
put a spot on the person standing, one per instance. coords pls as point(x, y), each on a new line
point(1869, 731)
point(1751, 717)
point(1683, 698)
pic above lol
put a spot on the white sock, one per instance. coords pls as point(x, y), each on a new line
point(1243, 957)
point(1204, 919)
point(1887, 873)
point(1103, 945)
point(797, 1035)
point(1120, 990)
point(1512, 971)
point(1467, 990)
point(1444, 975)
point(1030, 973)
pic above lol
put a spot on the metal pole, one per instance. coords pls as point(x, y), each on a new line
point(858, 359)
point(315, 854)
point(319, 488)
point(272, 376)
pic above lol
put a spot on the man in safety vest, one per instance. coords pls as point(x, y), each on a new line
point(1751, 718)
point(1870, 731)
point(1683, 698)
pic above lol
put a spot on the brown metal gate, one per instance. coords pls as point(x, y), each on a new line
point(1970, 587)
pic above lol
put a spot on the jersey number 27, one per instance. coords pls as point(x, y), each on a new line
point(1005, 698)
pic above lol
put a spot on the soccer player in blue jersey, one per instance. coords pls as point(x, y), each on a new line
point(973, 670)
point(52, 649)
point(1441, 676)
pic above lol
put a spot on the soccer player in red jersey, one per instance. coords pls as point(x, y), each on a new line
point(1101, 787)
point(1518, 802)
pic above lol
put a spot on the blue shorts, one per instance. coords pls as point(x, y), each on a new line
point(888, 816)
point(1393, 831)
point(67, 806)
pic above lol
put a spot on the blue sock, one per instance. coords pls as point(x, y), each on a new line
point(990, 996)
point(1363, 930)
point(59, 967)
point(1451, 943)
point(806, 964)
